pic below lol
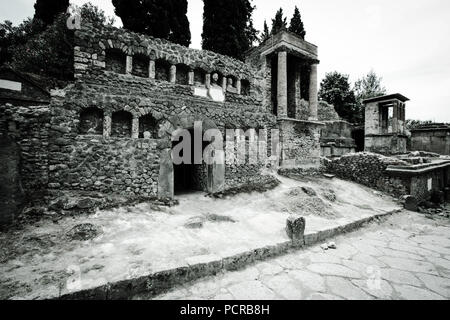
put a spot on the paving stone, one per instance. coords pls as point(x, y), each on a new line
point(414, 293)
point(409, 265)
point(283, 286)
point(311, 281)
point(251, 290)
point(323, 296)
point(324, 257)
point(269, 268)
point(205, 288)
point(366, 248)
point(330, 269)
point(401, 254)
point(344, 250)
point(378, 288)
point(251, 273)
point(344, 288)
point(400, 277)
point(412, 248)
point(436, 248)
point(368, 260)
point(438, 284)
point(291, 261)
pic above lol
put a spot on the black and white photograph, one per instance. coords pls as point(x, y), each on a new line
point(224, 150)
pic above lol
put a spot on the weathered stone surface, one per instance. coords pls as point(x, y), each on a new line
point(195, 223)
point(411, 203)
point(295, 227)
point(83, 232)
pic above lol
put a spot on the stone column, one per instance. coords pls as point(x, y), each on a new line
point(224, 84)
point(395, 125)
point(129, 65)
point(151, 69)
point(107, 125)
point(135, 128)
point(208, 80)
point(282, 84)
point(298, 89)
point(173, 73)
point(191, 77)
point(313, 98)
point(238, 86)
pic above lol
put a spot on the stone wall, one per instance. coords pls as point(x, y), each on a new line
point(369, 169)
point(133, 107)
point(29, 127)
point(300, 144)
point(437, 140)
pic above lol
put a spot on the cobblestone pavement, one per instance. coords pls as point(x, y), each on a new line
point(405, 257)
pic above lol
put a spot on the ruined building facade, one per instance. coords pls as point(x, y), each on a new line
point(110, 130)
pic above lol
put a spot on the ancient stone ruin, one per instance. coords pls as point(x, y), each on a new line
point(110, 131)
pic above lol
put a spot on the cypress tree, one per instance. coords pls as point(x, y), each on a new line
point(279, 22)
point(47, 10)
point(297, 26)
point(166, 19)
point(266, 33)
point(228, 27)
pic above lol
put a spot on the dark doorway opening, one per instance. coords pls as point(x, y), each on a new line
point(358, 136)
point(190, 177)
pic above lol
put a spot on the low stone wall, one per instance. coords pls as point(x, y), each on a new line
point(369, 169)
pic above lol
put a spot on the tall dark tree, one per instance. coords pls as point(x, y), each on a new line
point(336, 90)
point(47, 10)
point(266, 34)
point(166, 19)
point(279, 22)
point(228, 27)
point(179, 23)
point(296, 25)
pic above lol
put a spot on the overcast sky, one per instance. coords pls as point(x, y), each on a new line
point(407, 42)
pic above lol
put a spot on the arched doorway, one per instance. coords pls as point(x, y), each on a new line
point(188, 175)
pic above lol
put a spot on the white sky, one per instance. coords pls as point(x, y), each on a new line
point(406, 42)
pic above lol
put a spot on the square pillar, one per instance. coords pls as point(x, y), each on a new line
point(224, 84)
point(191, 77)
point(129, 65)
point(107, 119)
point(135, 128)
point(395, 124)
point(313, 95)
point(208, 80)
point(152, 69)
point(282, 85)
point(173, 73)
point(298, 88)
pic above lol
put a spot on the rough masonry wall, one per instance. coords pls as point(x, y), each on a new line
point(370, 170)
point(130, 164)
point(431, 141)
point(29, 127)
point(300, 142)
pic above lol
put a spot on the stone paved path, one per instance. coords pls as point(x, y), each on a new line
point(405, 257)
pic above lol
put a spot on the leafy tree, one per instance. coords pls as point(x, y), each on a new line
point(11, 36)
point(50, 52)
point(279, 22)
point(369, 86)
point(296, 25)
point(166, 19)
point(336, 90)
point(47, 10)
point(228, 27)
point(266, 34)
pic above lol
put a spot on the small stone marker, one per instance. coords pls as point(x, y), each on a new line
point(295, 227)
point(411, 204)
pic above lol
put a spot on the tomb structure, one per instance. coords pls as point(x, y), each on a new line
point(112, 129)
point(385, 130)
point(431, 138)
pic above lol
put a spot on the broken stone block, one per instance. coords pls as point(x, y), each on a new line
point(332, 245)
point(309, 191)
point(83, 232)
point(195, 223)
point(86, 203)
point(411, 204)
point(295, 227)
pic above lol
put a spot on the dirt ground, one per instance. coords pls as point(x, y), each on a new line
point(47, 259)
